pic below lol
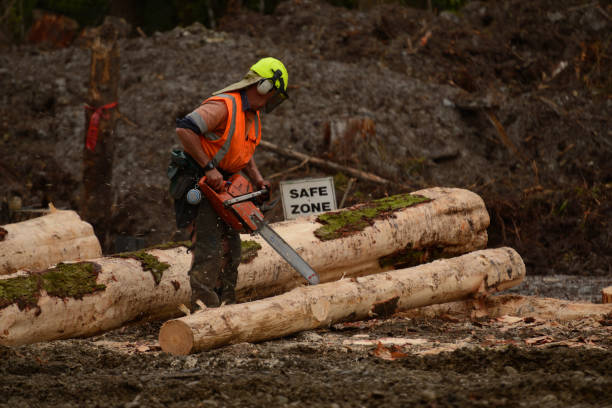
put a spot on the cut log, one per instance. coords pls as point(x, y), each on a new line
point(41, 242)
point(85, 298)
point(514, 305)
point(606, 295)
point(452, 223)
point(475, 274)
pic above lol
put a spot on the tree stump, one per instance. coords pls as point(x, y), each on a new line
point(99, 144)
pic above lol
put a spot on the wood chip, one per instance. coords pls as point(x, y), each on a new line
point(184, 309)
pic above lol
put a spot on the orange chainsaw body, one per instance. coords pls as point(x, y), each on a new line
point(238, 216)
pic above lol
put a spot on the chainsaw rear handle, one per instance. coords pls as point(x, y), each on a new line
point(238, 215)
point(216, 201)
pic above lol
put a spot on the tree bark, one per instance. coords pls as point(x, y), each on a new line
point(40, 242)
point(476, 274)
point(97, 197)
point(129, 293)
point(514, 305)
point(454, 222)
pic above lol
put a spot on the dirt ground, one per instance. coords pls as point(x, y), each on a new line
point(510, 99)
point(393, 363)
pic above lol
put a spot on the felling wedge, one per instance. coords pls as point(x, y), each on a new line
point(40, 242)
point(475, 274)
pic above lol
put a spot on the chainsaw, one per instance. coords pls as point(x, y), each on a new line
point(235, 206)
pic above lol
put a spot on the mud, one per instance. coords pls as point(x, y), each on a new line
point(440, 363)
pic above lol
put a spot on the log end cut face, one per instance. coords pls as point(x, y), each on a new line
point(176, 337)
point(351, 221)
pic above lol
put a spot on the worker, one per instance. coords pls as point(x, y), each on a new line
point(219, 139)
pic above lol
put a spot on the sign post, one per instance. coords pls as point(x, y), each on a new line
point(306, 197)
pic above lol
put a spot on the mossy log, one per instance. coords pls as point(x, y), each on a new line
point(40, 242)
point(398, 231)
point(514, 305)
point(475, 274)
point(81, 299)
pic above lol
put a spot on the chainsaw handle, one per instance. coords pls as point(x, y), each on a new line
point(224, 185)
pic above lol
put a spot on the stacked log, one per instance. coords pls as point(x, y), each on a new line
point(476, 274)
point(447, 222)
point(40, 242)
point(452, 223)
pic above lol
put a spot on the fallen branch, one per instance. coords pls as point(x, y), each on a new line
point(503, 136)
point(346, 192)
point(325, 164)
point(289, 170)
point(476, 274)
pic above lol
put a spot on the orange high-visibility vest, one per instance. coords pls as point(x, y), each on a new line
point(232, 149)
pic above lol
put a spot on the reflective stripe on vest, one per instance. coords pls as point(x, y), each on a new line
point(225, 148)
point(257, 127)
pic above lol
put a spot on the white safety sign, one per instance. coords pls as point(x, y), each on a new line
point(307, 197)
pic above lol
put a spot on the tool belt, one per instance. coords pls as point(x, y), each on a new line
point(183, 173)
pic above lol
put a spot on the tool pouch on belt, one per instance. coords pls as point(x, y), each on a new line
point(183, 173)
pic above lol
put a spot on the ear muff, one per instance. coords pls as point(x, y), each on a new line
point(266, 85)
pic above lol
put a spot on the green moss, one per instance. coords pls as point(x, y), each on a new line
point(408, 257)
point(170, 245)
point(348, 222)
point(22, 290)
point(64, 280)
point(71, 280)
point(249, 251)
point(149, 263)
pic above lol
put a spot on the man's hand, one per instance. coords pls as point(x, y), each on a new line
point(261, 184)
point(214, 179)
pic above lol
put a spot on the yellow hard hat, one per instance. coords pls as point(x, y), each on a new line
point(265, 68)
point(273, 69)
